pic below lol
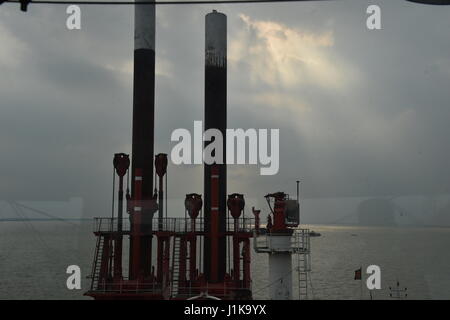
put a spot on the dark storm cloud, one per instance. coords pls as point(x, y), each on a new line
point(371, 122)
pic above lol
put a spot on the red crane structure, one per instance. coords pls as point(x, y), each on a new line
point(178, 273)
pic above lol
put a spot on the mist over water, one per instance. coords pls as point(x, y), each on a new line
point(34, 256)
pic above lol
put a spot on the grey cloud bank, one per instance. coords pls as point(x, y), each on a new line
point(361, 113)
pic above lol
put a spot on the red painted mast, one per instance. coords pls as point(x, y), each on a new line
point(215, 188)
point(143, 141)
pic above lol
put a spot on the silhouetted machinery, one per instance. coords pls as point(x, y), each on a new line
point(191, 257)
point(286, 212)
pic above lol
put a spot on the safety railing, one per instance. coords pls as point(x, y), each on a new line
point(242, 224)
point(107, 286)
point(158, 224)
point(177, 225)
point(299, 242)
point(110, 224)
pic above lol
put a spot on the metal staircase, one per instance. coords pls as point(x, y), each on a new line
point(175, 266)
point(95, 272)
point(100, 256)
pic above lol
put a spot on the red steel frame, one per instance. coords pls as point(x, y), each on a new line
point(191, 282)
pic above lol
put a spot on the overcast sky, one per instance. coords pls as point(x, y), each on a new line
point(361, 113)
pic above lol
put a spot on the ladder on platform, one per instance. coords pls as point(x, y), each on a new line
point(302, 240)
point(95, 273)
point(99, 257)
point(302, 265)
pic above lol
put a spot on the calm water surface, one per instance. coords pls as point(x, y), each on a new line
point(34, 256)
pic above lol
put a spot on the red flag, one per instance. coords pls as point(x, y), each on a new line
point(358, 274)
